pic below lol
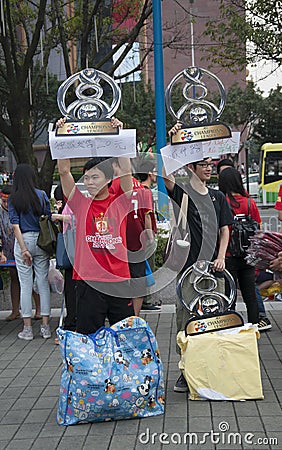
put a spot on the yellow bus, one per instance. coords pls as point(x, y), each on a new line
point(270, 173)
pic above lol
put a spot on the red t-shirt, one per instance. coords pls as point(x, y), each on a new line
point(243, 208)
point(140, 206)
point(278, 204)
point(100, 252)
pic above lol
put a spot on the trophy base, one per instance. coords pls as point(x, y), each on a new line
point(195, 133)
point(84, 128)
point(208, 323)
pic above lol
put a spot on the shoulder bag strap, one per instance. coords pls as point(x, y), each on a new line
point(249, 206)
point(43, 203)
point(183, 211)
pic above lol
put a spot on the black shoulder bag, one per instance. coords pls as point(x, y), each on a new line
point(47, 238)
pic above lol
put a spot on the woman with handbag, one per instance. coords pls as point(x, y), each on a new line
point(230, 183)
point(26, 205)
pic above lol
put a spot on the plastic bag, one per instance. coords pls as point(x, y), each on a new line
point(265, 246)
point(55, 278)
point(113, 374)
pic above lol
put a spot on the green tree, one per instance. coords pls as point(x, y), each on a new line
point(137, 111)
point(253, 25)
point(29, 32)
point(258, 116)
point(267, 127)
point(242, 107)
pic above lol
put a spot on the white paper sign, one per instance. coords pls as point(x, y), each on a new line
point(176, 156)
point(214, 149)
point(123, 144)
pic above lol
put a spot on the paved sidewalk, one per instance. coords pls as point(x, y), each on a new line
point(29, 387)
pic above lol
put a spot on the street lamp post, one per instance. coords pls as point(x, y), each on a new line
point(160, 103)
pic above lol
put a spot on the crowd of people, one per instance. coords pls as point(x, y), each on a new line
point(116, 238)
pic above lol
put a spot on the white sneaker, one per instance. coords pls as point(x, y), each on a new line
point(45, 331)
point(26, 334)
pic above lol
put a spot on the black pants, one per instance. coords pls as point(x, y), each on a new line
point(70, 299)
point(93, 307)
point(244, 275)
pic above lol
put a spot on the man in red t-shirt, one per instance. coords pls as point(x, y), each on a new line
point(138, 232)
point(100, 262)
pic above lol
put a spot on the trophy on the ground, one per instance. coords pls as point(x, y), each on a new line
point(210, 309)
point(89, 113)
point(198, 115)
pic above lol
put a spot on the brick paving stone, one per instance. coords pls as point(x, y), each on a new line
point(52, 443)
point(28, 431)
point(248, 408)
point(45, 402)
point(23, 444)
point(79, 430)
point(95, 441)
point(225, 423)
point(222, 409)
point(276, 383)
point(14, 416)
point(200, 424)
point(127, 441)
point(171, 425)
point(272, 423)
point(171, 410)
point(50, 430)
point(7, 431)
point(254, 423)
point(37, 416)
point(127, 426)
point(269, 409)
point(32, 392)
point(153, 424)
point(104, 428)
point(150, 446)
point(12, 393)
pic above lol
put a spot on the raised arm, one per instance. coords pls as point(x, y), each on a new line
point(67, 180)
point(125, 175)
point(169, 180)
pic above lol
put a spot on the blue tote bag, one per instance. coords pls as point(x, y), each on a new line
point(114, 374)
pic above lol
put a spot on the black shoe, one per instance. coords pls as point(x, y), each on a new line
point(150, 308)
point(264, 324)
point(181, 385)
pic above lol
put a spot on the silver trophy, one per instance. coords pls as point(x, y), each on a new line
point(198, 115)
point(88, 113)
point(210, 309)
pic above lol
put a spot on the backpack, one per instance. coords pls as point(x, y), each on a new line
point(242, 228)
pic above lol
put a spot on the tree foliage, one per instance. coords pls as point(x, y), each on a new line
point(254, 25)
point(267, 127)
point(138, 110)
point(29, 32)
point(258, 117)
